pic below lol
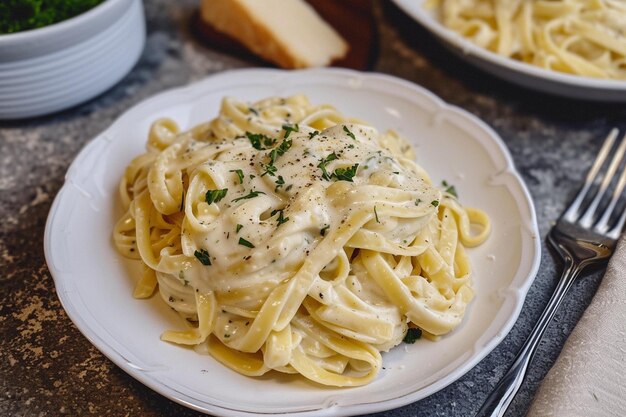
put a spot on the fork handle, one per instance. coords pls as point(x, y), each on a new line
point(501, 397)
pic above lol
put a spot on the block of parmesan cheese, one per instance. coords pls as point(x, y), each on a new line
point(287, 32)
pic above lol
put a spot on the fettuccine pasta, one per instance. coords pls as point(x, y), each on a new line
point(294, 239)
point(582, 37)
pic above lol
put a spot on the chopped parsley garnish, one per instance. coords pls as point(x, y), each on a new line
point(280, 150)
point(239, 174)
point(450, 189)
point(351, 146)
point(281, 219)
point(290, 128)
point(203, 256)
point(348, 132)
point(214, 196)
point(269, 170)
point(412, 335)
point(324, 229)
point(253, 110)
point(313, 134)
point(244, 242)
point(273, 156)
point(252, 194)
point(435, 203)
point(346, 174)
point(260, 141)
point(182, 202)
point(280, 181)
point(376, 215)
point(284, 147)
point(288, 187)
point(418, 201)
point(238, 228)
point(322, 165)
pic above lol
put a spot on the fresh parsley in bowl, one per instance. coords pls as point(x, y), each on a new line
point(55, 54)
point(21, 15)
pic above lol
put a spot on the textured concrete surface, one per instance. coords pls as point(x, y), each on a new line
point(48, 368)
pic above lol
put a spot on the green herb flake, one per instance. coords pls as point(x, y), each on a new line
point(253, 110)
point(269, 142)
point(269, 170)
point(412, 335)
point(273, 156)
point(203, 257)
point(376, 215)
point(418, 201)
point(348, 132)
point(214, 196)
point(288, 128)
point(324, 229)
point(346, 174)
point(252, 194)
point(256, 138)
point(313, 134)
point(239, 174)
point(322, 165)
point(244, 242)
point(281, 219)
point(182, 202)
point(279, 151)
point(238, 228)
point(280, 181)
point(450, 189)
point(284, 146)
point(435, 203)
point(288, 188)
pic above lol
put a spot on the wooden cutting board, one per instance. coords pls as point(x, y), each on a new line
point(353, 19)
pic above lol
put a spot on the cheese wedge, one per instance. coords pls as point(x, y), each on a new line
point(287, 32)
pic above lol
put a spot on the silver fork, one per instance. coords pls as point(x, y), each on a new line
point(584, 235)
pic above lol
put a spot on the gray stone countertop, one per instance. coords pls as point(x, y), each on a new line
point(48, 368)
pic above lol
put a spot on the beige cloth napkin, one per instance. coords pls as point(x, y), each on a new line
point(589, 376)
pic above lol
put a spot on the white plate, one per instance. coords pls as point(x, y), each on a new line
point(95, 284)
point(515, 71)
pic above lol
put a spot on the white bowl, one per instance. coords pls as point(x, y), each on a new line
point(58, 66)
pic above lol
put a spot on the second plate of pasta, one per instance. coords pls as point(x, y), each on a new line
point(293, 228)
point(572, 48)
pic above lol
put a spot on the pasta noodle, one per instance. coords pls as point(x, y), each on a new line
point(295, 239)
point(582, 37)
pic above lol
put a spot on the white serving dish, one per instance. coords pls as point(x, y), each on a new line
point(95, 284)
point(517, 72)
point(58, 66)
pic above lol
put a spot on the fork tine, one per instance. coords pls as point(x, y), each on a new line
point(587, 219)
point(603, 224)
point(571, 214)
point(616, 231)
